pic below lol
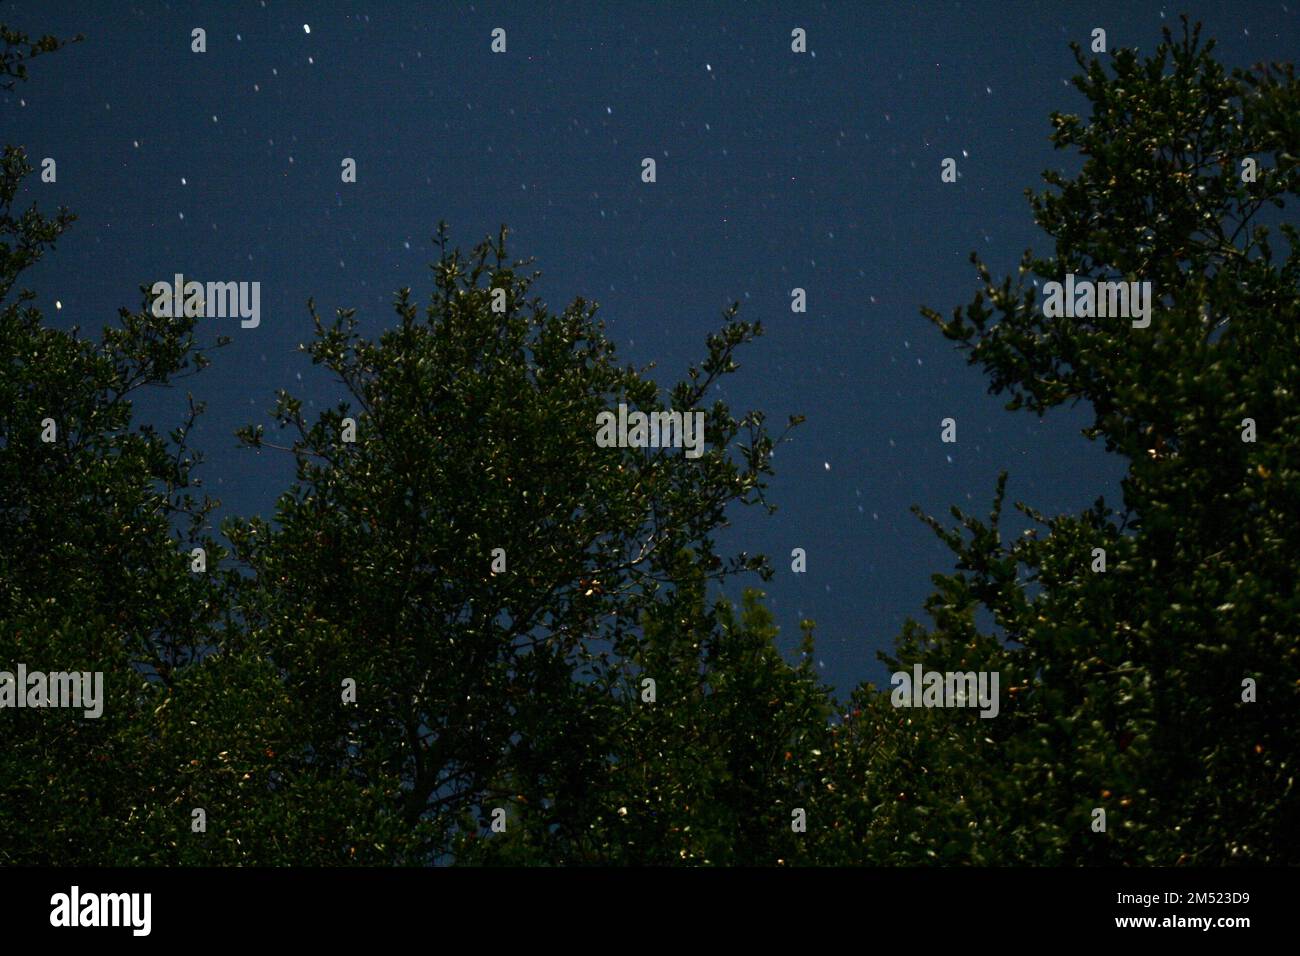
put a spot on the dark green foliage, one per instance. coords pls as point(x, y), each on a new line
point(474, 432)
point(1125, 688)
point(96, 530)
point(522, 692)
point(707, 772)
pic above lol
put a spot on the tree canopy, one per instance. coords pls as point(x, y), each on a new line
point(472, 634)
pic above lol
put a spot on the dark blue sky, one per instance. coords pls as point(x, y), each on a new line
point(775, 170)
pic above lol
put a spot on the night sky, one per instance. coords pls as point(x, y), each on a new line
point(775, 170)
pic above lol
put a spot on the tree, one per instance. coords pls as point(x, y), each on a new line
point(91, 578)
point(706, 749)
point(98, 521)
point(474, 561)
point(1123, 689)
